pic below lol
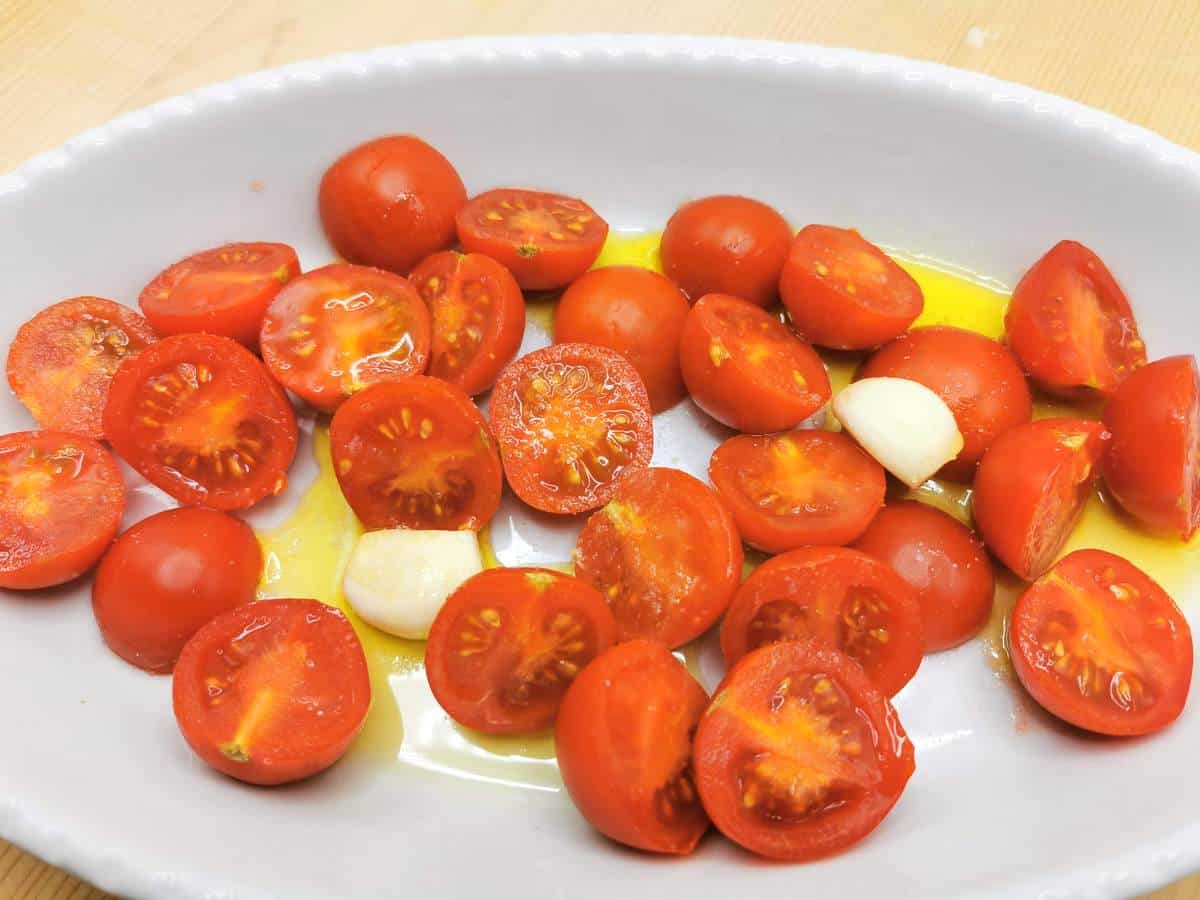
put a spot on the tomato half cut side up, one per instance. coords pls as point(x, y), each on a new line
point(799, 756)
point(507, 644)
point(1100, 645)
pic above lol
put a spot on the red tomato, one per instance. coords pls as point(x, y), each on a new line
point(1031, 487)
point(624, 744)
point(746, 369)
point(61, 502)
point(272, 691)
point(799, 756)
point(545, 240)
point(1071, 326)
point(62, 361)
point(726, 245)
point(665, 554)
point(979, 379)
point(1153, 464)
point(842, 291)
point(571, 420)
point(416, 454)
point(169, 575)
point(225, 290)
point(797, 488)
point(200, 417)
point(391, 202)
point(1100, 645)
point(636, 312)
point(478, 317)
point(507, 644)
point(336, 329)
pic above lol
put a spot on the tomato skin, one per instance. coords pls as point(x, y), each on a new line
point(390, 202)
point(623, 739)
point(636, 312)
point(726, 245)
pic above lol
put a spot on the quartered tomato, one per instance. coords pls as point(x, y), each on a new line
point(665, 554)
point(797, 488)
point(61, 502)
point(545, 240)
point(336, 329)
point(1100, 645)
point(624, 745)
point(799, 756)
point(744, 367)
point(507, 644)
point(273, 691)
point(62, 361)
point(571, 419)
point(416, 454)
point(200, 417)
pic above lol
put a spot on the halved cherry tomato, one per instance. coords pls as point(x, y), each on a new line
point(980, 380)
point(391, 202)
point(842, 291)
point(507, 644)
point(726, 245)
point(416, 454)
point(200, 417)
point(624, 745)
point(1100, 645)
point(1030, 489)
point(1153, 464)
point(225, 290)
point(272, 691)
point(545, 240)
point(336, 329)
point(478, 317)
point(570, 419)
point(799, 756)
point(665, 554)
point(636, 312)
point(1071, 326)
point(746, 369)
point(61, 502)
point(169, 575)
point(62, 361)
point(797, 488)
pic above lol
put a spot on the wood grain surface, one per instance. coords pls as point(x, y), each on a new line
point(67, 65)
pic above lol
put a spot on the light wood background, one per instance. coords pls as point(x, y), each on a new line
point(67, 65)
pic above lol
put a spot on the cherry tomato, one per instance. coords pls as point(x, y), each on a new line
point(636, 312)
point(200, 417)
point(169, 575)
point(1031, 487)
point(980, 380)
point(478, 317)
point(1071, 326)
point(61, 502)
point(62, 361)
point(797, 488)
point(272, 691)
point(799, 756)
point(416, 454)
point(624, 744)
point(225, 290)
point(391, 202)
point(507, 644)
point(746, 369)
point(726, 245)
point(571, 419)
point(665, 554)
point(1100, 645)
point(545, 240)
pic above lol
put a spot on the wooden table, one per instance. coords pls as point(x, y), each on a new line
point(66, 65)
